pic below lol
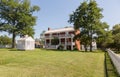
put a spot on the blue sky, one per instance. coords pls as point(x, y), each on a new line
point(55, 13)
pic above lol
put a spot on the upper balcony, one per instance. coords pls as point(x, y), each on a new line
point(60, 36)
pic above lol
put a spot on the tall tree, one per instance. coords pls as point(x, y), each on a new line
point(16, 17)
point(87, 18)
point(94, 16)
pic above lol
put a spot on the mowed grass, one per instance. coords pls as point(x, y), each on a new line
point(48, 63)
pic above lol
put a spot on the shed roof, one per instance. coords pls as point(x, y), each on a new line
point(26, 38)
point(60, 30)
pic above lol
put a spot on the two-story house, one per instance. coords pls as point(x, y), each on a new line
point(64, 36)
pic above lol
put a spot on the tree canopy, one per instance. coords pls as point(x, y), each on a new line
point(16, 17)
point(116, 36)
point(5, 40)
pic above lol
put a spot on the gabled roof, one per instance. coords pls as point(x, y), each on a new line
point(60, 30)
point(27, 38)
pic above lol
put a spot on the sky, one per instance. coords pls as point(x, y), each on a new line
point(55, 13)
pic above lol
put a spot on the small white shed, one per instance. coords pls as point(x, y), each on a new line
point(26, 43)
point(94, 45)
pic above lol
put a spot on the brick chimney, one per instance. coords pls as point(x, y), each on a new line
point(77, 41)
point(48, 28)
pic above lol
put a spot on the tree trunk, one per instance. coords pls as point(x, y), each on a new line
point(85, 46)
point(91, 41)
point(13, 40)
point(91, 46)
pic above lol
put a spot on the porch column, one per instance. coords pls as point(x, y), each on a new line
point(65, 43)
point(50, 39)
point(45, 43)
point(66, 35)
point(59, 41)
point(71, 43)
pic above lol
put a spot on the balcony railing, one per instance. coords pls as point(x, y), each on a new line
point(51, 46)
point(69, 43)
point(60, 36)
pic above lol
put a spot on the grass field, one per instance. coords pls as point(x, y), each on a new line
point(48, 63)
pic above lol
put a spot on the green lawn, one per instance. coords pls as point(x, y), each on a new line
point(48, 63)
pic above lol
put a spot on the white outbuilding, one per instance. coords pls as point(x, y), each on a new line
point(26, 43)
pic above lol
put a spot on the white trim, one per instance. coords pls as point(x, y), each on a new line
point(60, 30)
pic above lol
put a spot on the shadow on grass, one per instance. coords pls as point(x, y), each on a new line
point(42, 49)
point(57, 50)
point(96, 51)
point(14, 49)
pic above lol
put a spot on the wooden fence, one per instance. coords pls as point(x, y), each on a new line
point(115, 59)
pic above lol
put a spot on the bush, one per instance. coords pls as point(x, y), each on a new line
point(61, 47)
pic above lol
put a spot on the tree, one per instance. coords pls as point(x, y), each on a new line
point(106, 40)
point(116, 29)
point(42, 38)
point(16, 17)
point(117, 41)
point(104, 36)
point(5, 40)
point(87, 18)
point(116, 36)
point(55, 41)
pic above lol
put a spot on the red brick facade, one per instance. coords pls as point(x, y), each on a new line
point(77, 41)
